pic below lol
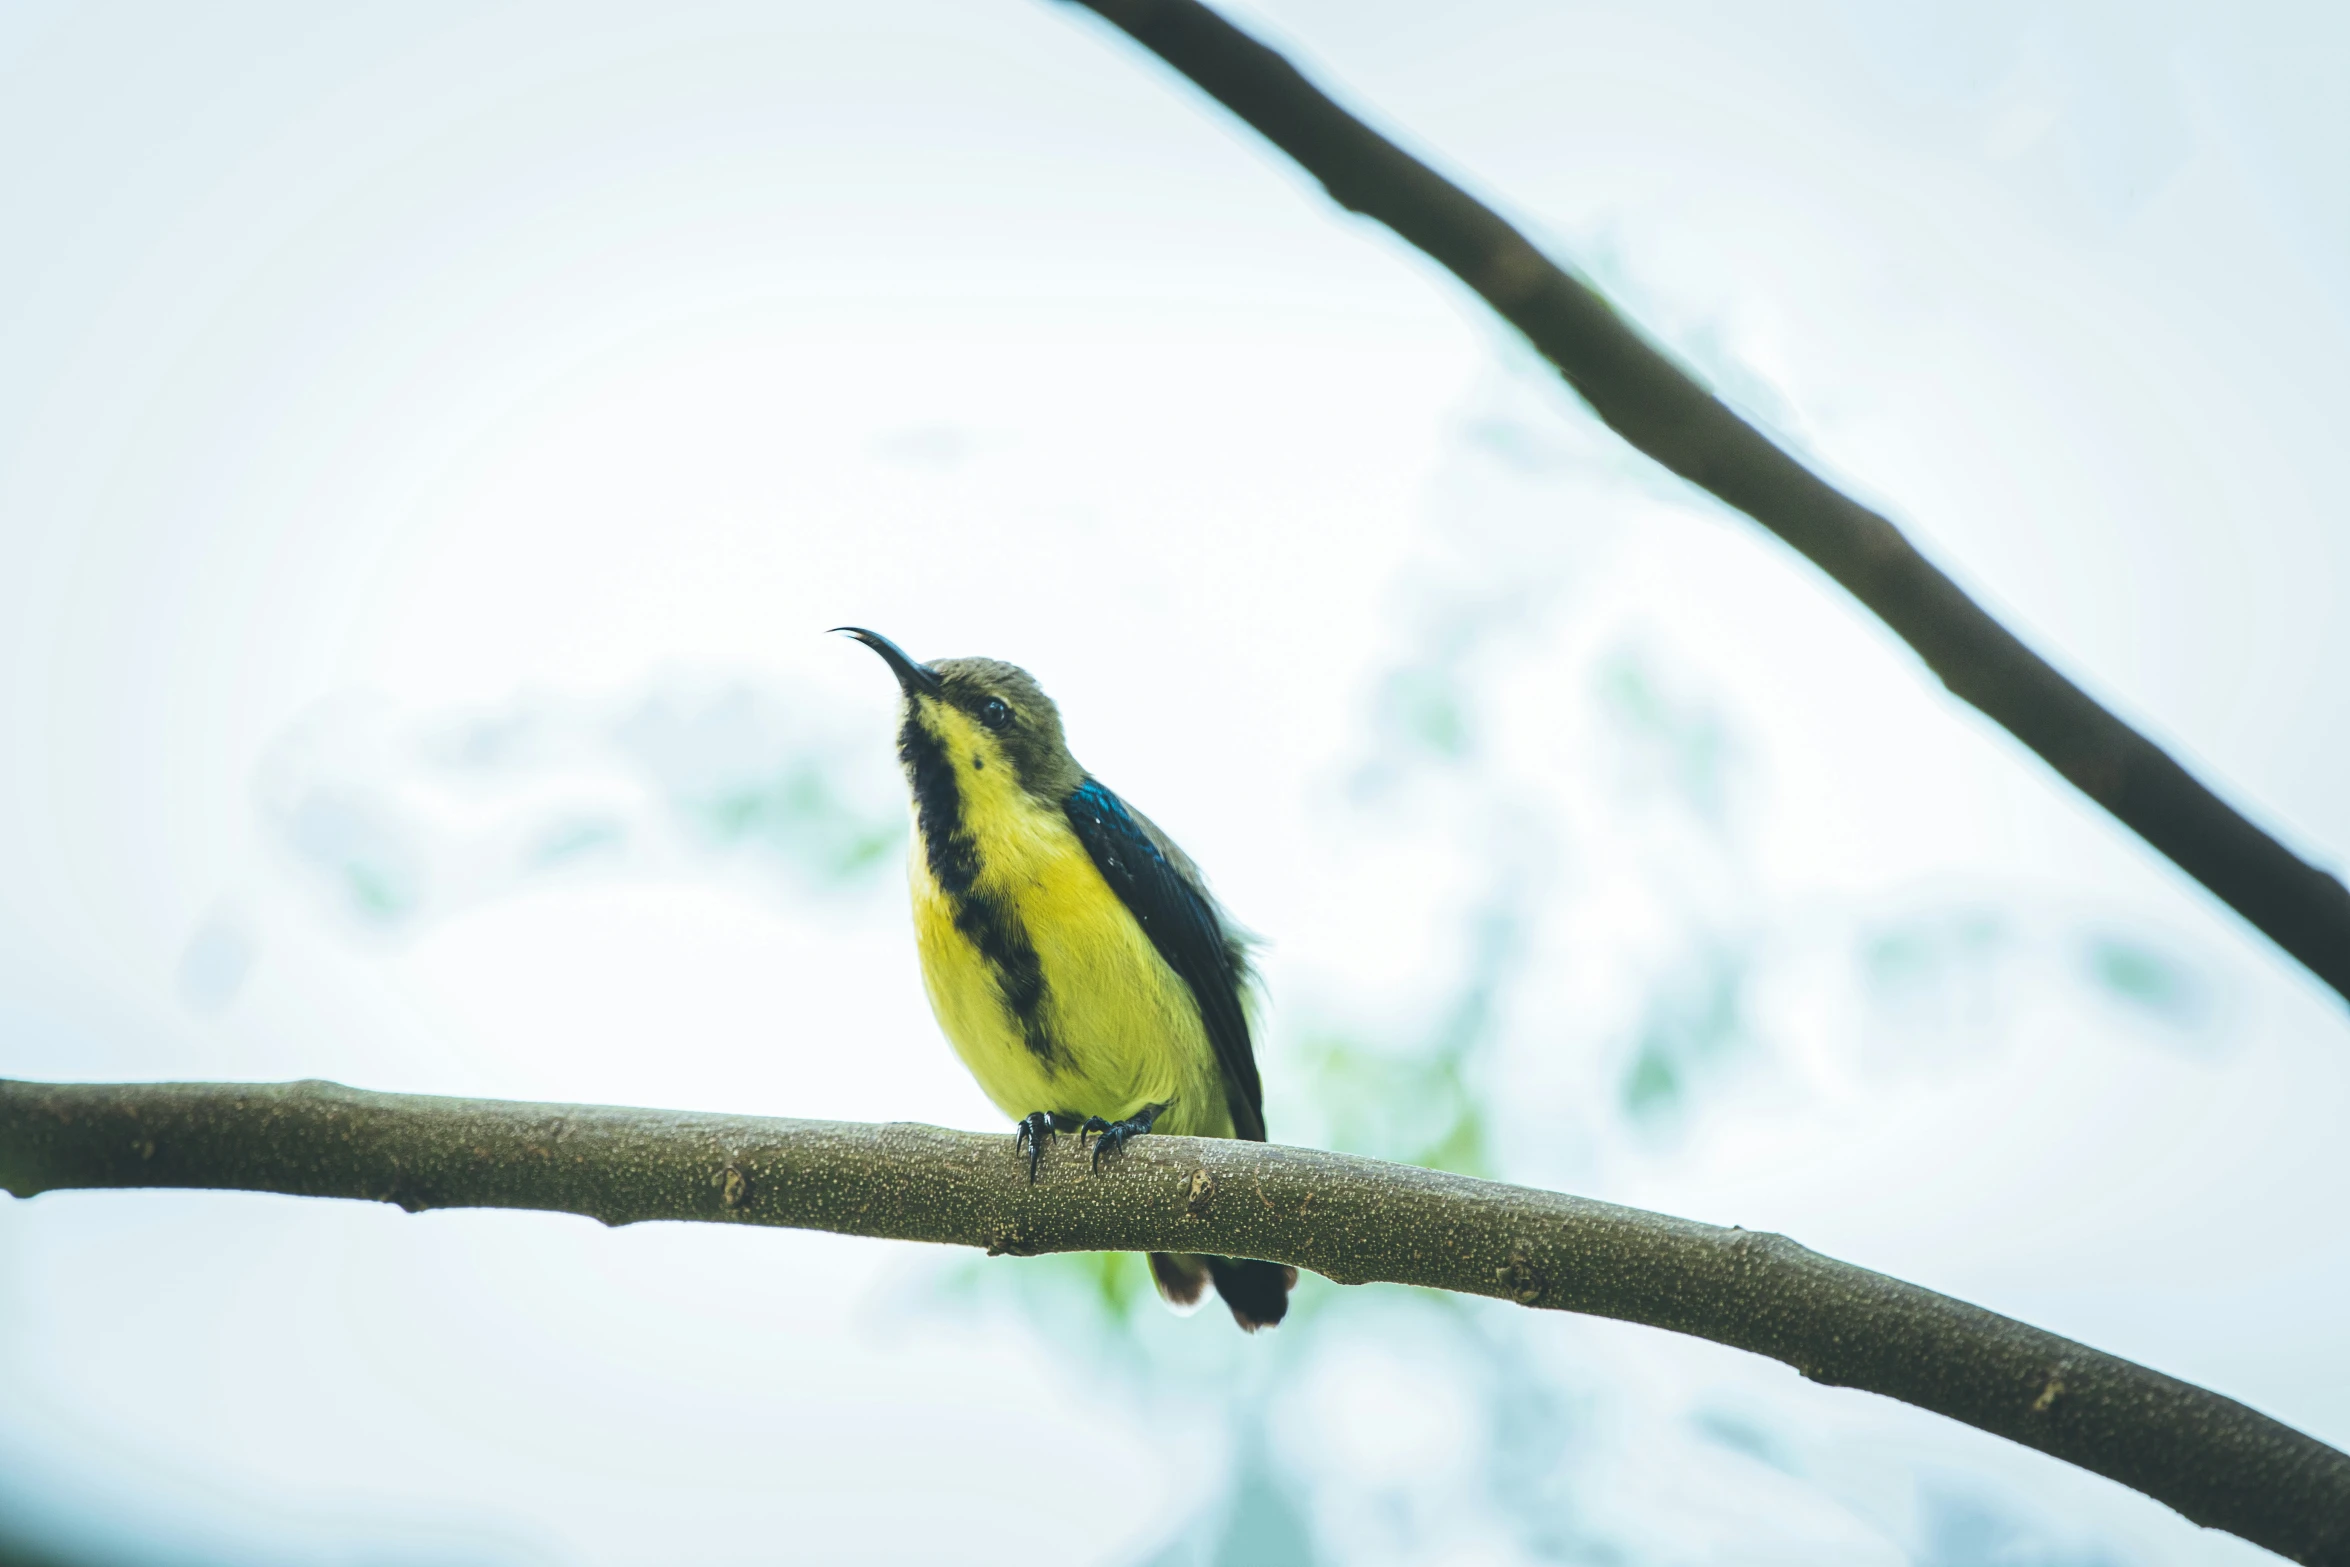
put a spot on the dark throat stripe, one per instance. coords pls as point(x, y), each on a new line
point(988, 922)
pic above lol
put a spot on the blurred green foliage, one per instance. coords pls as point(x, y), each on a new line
point(1417, 1108)
point(1424, 706)
point(2145, 978)
point(800, 815)
point(1695, 1019)
point(1927, 953)
point(1679, 746)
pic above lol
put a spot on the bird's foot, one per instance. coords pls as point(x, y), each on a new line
point(1036, 1130)
point(1111, 1137)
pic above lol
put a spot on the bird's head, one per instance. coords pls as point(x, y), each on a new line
point(989, 720)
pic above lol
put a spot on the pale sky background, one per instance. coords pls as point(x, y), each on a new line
point(434, 438)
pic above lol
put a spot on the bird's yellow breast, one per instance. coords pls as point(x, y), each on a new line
point(1108, 1026)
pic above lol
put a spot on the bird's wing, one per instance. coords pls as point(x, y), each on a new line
point(1161, 888)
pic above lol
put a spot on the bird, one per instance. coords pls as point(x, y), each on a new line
point(1072, 953)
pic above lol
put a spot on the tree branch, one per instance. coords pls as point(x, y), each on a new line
point(1353, 1220)
point(1657, 407)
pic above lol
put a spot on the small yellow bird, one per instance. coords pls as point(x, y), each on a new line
point(1071, 951)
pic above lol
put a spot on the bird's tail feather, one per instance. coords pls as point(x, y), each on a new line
point(1181, 1277)
point(1256, 1292)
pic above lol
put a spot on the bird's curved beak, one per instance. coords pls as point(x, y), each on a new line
point(913, 679)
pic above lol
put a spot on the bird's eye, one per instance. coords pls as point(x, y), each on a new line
point(994, 714)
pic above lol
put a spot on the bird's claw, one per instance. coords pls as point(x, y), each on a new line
point(1111, 1137)
point(1095, 1126)
point(1035, 1131)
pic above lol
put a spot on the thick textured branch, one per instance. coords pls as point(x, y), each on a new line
point(1353, 1220)
point(1652, 403)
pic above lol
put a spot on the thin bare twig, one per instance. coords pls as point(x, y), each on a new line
point(1656, 406)
point(1354, 1220)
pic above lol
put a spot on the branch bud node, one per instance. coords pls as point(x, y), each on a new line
point(1521, 1281)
